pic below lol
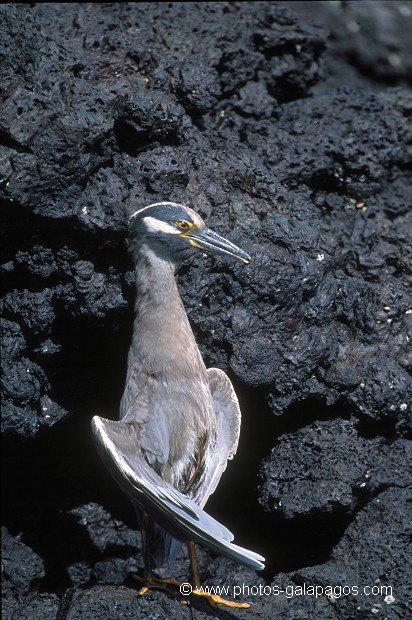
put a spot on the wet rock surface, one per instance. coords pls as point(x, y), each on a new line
point(295, 144)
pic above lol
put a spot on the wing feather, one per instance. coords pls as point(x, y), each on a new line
point(117, 443)
point(227, 411)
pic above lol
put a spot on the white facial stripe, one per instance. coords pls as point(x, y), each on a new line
point(155, 204)
point(197, 220)
point(154, 225)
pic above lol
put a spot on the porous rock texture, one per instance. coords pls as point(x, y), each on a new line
point(288, 127)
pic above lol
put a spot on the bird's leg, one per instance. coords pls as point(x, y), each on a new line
point(194, 571)
point(148, 575)
point(212, 599)
point(149, 580)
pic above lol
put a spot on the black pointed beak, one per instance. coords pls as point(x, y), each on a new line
point(212, 243)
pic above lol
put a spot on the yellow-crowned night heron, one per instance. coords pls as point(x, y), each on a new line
point(179, 423)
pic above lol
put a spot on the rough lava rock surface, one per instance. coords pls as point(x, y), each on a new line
point(288, 127)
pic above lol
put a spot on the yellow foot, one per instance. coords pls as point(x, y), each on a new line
point(156, 583)
point(214, 599)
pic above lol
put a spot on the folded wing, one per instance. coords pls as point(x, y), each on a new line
point(183, 518)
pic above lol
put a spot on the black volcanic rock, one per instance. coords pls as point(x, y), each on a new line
point(21, 567)
point(294, 143)
point(371, 559)
point(328, 466)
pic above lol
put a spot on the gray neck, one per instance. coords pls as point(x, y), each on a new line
point(155, 282)
point(163, 341)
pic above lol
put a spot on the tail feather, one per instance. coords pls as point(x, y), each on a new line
point(163, 547)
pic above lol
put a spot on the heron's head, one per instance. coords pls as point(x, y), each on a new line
point(173, 232)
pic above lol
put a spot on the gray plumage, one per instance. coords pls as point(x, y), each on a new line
point(179, 422)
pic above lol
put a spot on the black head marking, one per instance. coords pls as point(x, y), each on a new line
point(157, 228)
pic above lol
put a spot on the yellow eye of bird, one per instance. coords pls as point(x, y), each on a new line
point(184, 225)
